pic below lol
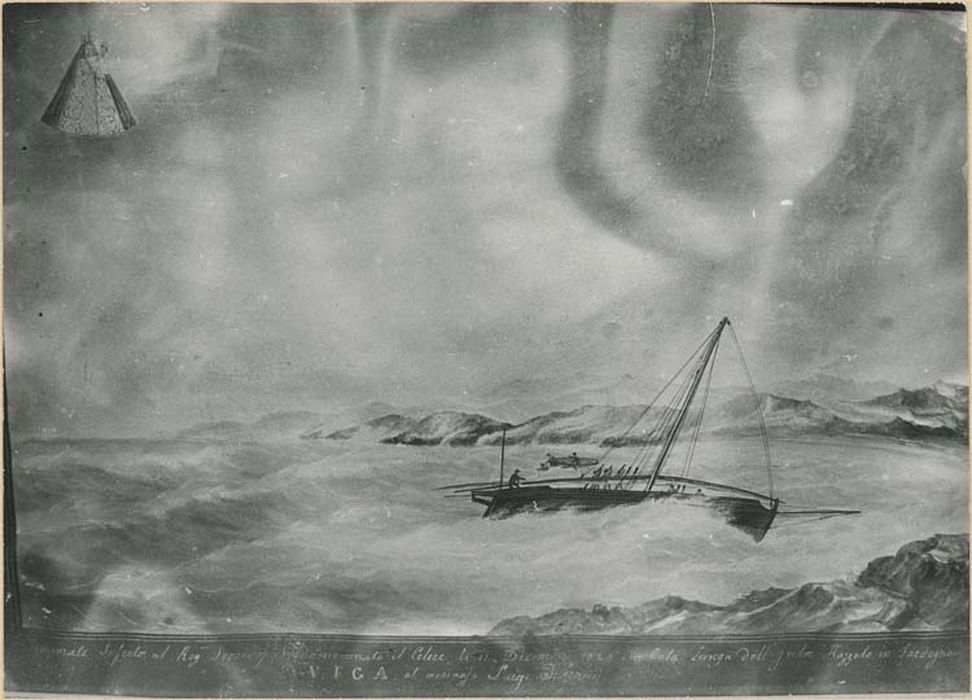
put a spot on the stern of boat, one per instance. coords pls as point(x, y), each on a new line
point(750, 515)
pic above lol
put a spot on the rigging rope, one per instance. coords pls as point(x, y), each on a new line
point(690, 455)
point(685, 403)
point(668, 419)
point(673, 415)
point(616, 442)
point(759, 412)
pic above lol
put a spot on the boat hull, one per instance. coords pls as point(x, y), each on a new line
point(747, 514)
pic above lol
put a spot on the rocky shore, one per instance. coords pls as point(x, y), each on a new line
point(923, 586)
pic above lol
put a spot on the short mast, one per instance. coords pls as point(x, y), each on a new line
point(696, 380)
point(502, 456)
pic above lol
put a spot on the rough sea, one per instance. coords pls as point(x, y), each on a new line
point(322, 536)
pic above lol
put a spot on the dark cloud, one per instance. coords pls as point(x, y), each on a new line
point(584, 176)
point(909, 101)
point(450, 38)
point(696, 123)
point(329, 204)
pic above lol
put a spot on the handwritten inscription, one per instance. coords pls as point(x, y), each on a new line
point(511, 667)
point(769, 655)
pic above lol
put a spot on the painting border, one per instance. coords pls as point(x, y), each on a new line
point(301, 665)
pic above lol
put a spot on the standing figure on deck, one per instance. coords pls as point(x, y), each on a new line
point(515, 479)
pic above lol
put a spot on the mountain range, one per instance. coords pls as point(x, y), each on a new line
point(923, 586)
point(935, 412)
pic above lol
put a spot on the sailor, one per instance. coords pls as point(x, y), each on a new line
point(515, 479)
point(622, 474)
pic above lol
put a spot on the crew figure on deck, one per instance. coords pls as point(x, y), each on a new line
point(515, 479)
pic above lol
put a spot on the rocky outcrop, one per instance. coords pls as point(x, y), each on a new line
point(924, 586)
point(930, 576)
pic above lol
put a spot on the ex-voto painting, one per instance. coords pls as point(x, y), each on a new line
point(485, 349)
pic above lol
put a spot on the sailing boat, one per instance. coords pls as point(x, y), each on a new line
point(644, 480)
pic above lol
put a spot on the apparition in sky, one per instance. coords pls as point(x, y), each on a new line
point(88, 102)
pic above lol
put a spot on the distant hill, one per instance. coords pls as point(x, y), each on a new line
point(369, 411)
point(937, 412)
point(440, 428)
point(924, 413)
point(781, 415)
point(447, 428)
point(924, 586)
point(939, 400)
point(588, 424)
point(375, 430)
point(942, 409)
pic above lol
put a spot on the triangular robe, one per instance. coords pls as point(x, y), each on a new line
point(88, 102)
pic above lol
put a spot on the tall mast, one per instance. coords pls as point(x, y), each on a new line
point(680, 419)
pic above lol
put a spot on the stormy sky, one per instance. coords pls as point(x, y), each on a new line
point(324, 205)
